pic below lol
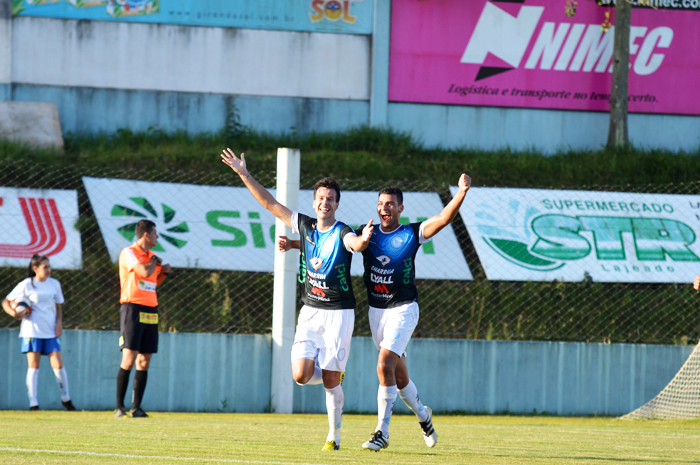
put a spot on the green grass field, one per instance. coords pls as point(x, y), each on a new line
point(97, 437)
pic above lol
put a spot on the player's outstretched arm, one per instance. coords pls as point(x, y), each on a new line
point(434, 225)
point(696, 284)
point(360, 243)
point(259, 192)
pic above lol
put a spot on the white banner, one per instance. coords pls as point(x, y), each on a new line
point(545, 235)
point(225, 228)
point(39, 221)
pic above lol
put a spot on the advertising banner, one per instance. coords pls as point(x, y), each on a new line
point(39, 221)
point(545, 235)
point(340, 16)
point(528, 53)
point(225, 228)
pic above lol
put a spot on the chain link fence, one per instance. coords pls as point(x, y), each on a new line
point(219, 292)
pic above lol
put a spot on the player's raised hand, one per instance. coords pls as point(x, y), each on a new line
point(465, 182)
point(696, 283)
point(237, 164)
point(367, 231)
point(284, 244)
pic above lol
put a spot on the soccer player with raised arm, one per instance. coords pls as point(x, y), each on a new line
point(393, 308)
point(327, 318)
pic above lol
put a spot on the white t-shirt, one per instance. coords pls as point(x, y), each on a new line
point(44, 297)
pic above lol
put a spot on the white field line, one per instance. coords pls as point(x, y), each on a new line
point(149, 457)
point(586, 430)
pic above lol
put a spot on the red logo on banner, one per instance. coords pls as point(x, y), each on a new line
point(46, 233)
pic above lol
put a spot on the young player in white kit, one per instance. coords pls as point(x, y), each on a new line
point(41, 329)
point(327, 319)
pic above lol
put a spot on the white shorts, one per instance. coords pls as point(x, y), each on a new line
point(324, 336)
point(392, 328)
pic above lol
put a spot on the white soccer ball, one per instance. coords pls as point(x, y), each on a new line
point(23, 308)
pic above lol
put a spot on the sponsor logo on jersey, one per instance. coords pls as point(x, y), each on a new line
point(408, 264)
point(381, 279)
point(316, 263)
point(147, 286)
point(384, 260)
point(318, 291)
point(381, 288)
point(342, 278)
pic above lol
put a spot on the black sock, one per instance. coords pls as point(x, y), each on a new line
point(140, 379)
point(122, 385)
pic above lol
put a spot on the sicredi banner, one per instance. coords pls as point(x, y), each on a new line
point(214, 227)
point(39, 221)
point(545, 235)
point(529, 54)
point(338, 16)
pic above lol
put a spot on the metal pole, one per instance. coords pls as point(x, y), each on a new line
point(285, 295)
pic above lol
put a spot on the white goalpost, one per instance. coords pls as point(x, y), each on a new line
point(679, 400)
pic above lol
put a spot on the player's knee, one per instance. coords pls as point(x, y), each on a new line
point(384, 368)
point(300, 378)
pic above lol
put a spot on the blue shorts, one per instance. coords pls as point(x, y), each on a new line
point(44, 346)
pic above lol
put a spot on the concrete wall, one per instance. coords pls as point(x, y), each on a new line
point(70, 53)
point(103, 76)
point(211, 372)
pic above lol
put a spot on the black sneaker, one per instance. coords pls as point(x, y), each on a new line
point(120, 412)
point(34, 408)
point(69, 406)
point(377, 442)
point(138, 413)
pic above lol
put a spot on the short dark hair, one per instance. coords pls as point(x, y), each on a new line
point(328, 183)
point(393, 191)
point(143, 227)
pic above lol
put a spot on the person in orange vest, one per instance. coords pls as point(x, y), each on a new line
point(140, 274)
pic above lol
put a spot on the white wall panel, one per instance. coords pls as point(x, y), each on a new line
point(190, 59)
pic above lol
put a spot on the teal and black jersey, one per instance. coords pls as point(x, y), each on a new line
point(324, 267)
point(390, 272)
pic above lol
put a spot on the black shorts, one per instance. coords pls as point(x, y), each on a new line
point(138, 328)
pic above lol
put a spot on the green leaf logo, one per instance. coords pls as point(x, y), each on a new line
point(146, 210)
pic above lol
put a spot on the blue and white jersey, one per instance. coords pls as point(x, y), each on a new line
point(390, 272)
point(324, 267)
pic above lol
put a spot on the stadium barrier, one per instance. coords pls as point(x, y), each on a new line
point(231, 373)
point(596, 264)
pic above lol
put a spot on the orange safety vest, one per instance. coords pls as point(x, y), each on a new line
point(136, 289)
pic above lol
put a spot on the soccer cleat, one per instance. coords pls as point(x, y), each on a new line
point(34, 408)
point(429, 433)
point(69, 406)
point(377, 442)
point(331, 445)
point(138, 413)
point(120, 412)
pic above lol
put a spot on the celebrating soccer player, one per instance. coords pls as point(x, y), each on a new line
point(393, 308)
point(327, 319)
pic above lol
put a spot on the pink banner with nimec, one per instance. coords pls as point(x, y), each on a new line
point(527, 53)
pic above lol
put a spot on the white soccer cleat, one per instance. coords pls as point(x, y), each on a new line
point(429, 433)
point(377, 442)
